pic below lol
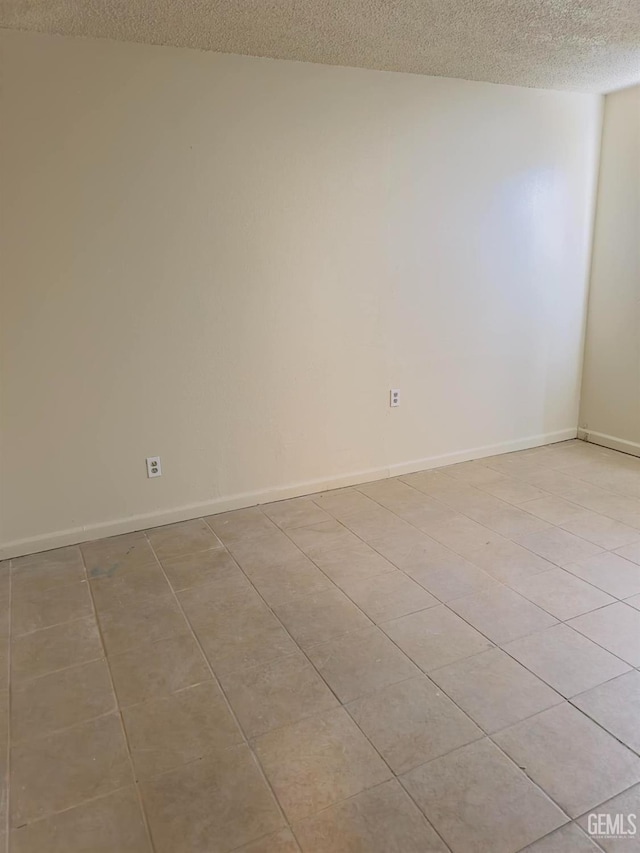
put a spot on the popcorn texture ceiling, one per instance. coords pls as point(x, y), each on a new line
point(583, 45)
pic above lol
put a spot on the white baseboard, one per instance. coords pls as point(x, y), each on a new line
point(75, 535)
point(610, 441)
point(481, 452)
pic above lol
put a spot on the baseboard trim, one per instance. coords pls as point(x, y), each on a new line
point(610, 441)
point(75, 535)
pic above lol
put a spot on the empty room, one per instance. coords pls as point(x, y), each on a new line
point(319, 426)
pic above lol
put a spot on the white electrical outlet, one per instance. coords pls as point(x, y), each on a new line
point(394, 397)
point(154, 468)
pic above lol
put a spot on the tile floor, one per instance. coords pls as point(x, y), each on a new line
point(445, 661)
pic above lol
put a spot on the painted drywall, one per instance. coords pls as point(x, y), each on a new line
point(610, 407)
point(229, 262)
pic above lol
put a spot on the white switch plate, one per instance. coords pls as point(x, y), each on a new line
point(154, 467)
point(394, 397)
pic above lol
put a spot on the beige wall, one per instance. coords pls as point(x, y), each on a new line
point(230, 261)
point(610, 410)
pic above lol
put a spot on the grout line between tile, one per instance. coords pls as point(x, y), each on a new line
point(559, 621)
point(217, 681)
point(437, 686)
point(333, 584)
point(118, 711)
point(57, 812)
point(573, 822)
point(54, 625)
point(490, 736)
point(341, 705)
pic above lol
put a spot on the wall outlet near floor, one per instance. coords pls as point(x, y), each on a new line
point(154, 468)
point(394, 397)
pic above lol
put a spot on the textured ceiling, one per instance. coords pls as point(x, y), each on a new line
point(585, 45)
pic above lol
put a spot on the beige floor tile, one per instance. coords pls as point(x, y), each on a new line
point(462, 535)
point(294, 577)
point(451, 579)
point(465, 498)
point(439, 484)
point(555, 482)
point(494, 689)
point(4, 759)
point(5, 575)
point(298, 512)
point(47, 569)
point(203, 604)
point(61, 699)
point(475, 473)
point(577, 763)
point(5, 622)
point(263, 553)
point(106, 825)
point(501, 614)
point(435, 637)
point(32, 609)
point(552, 509)
point(240, 524)
point(630, 552)
point(61, 770)
point(561, 594)
point(513, 492)
point(424, 481)
point(125, 626)
point(411, 549)
point(186, 537)
point(152, 670)
point(508, 561)
point(615, 628)
point(510, 521)
point(278, 694)
point(615, 705)
point(205, 567)
point(313, 619)
point(623, 805)
point(568, 839)
point(360, 663)
point(609, 572)
point(125, 587)
point(314, 539)
point(355, 561)
point(412, 722)
point(380, 820)
point(279, 842)
point(55, 648)
point(236, 633)
point(4, 663)
point(319, 761)
point(407, 502)
point(559, 546)
point(179, 728)
point(105, 556)
point(601, 530)
point(389, 596)
point(480, 801)
point(619, 507)
point(218, 803)
point(388, 489)
point(566, 660)
point(374, 523)
point(442, 530)
point(425, 517)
